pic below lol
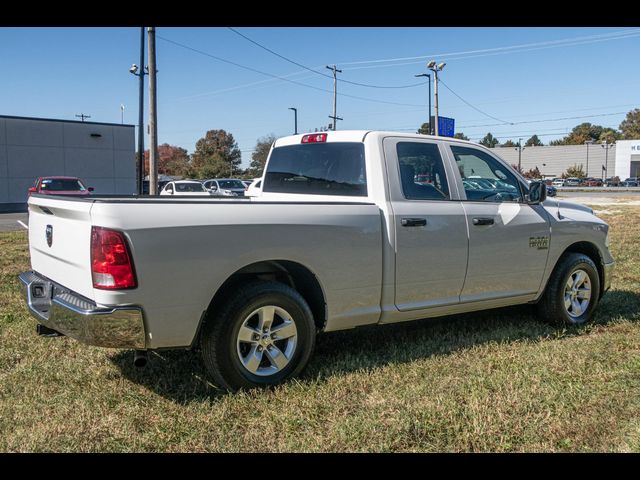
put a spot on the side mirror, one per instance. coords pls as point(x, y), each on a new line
point(537, 193)
point(91, 189)
point(214, 188)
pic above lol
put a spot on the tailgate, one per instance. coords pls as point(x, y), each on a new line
point(60, 241)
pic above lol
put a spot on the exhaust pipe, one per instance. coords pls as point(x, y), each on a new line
point(140, 358)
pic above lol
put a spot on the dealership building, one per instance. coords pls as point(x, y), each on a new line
point(621, 159)
point(102, 155)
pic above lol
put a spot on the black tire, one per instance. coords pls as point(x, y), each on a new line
point(551, 306)
point(219, 347)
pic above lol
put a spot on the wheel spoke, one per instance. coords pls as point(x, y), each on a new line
point(276, 357)
point(579, 279)
point(567, 302)
point(246, 334)
point(252, 360)
point(577, 308)
point(569, 285)
point(265, 317)
point(584, 294)
point(285, 330)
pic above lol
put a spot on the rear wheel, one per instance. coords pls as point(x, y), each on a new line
point(572, 292)
point(262, 336)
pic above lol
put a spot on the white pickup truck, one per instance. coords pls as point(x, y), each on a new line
point(351, 228)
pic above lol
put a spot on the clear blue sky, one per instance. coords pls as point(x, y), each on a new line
point(532, 75)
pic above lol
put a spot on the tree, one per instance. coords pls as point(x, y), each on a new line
point(534, 141)
point(609, 135)
point(574, 172)
point(580, 134)
point(260, 154)
point(216, 155)
point(630, 126)
point(424, 129)
point(172, 160)
point(509, 143)
point(517, 168)
point(461, 136)
point(533, 173)
point(489, 141)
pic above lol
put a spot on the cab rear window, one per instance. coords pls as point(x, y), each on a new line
point(318, 169)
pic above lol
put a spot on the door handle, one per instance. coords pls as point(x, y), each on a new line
point(483, 221)
point(413, 222)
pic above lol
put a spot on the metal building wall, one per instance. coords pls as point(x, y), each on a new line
point(101, 154)
point(553, 161)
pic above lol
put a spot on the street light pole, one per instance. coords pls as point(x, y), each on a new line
point(429, 120)
point(435, 69)
point(140, 73)
point(606, 145)
point(295, 119)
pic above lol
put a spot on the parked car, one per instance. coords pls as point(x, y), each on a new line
point(185, 188)
point(551, 190)
point(631, 182)
point(254, 188)
point(572, 182)
point(227, 187)
point(558, 182)
point(59, 186)
point(341, 236)
point(592, 182)
point(613, 182)
point(247, 183)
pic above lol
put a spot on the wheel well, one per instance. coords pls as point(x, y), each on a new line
point(293, 274)
point(591, 251)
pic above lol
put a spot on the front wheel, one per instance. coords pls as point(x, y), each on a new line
point(572, 292)
point(262, 336)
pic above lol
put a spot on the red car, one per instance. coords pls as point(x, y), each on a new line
point(59, 186)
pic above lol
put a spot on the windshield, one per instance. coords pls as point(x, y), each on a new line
point(318, 169)
point(226, 184)
point(189, 187)
point(62, 185)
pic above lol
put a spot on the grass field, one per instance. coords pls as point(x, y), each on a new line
point(494, 381)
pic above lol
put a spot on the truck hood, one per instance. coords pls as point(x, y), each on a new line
point(562, 205)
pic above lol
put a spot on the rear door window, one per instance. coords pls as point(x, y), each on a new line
point(318, 169)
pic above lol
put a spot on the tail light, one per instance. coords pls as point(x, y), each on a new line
point(111, 263)
point(315, 138)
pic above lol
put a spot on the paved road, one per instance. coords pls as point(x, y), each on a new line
point(9, 221)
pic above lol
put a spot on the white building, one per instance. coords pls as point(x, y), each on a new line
point(627, 158)
point(102, 155)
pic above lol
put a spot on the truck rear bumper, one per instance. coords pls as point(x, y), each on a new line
point(74, 316)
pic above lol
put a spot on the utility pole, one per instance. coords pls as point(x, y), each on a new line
point(82, 116)
point(520, 148)
point(435, 69)
point(295, 119)
point(153, 114)
point(587, 143)
point(140, 166)
point(335, 94)
point(430, 122)
point(122, 114)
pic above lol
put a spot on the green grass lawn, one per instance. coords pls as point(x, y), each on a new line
point(491, 381)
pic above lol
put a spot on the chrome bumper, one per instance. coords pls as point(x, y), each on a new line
point(608, 273)
point(62, 310)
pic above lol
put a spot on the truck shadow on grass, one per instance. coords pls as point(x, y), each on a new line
point(179, 376)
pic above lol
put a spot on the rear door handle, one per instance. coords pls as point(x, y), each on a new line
point(414, 222)
point(483, 221)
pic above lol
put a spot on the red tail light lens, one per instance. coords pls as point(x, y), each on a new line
point(315, 138)
point(111, 264)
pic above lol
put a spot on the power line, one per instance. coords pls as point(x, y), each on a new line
point(282, 78)
point(475, 108)
point(510, 49)
point(317, 72)
point(546, 120)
